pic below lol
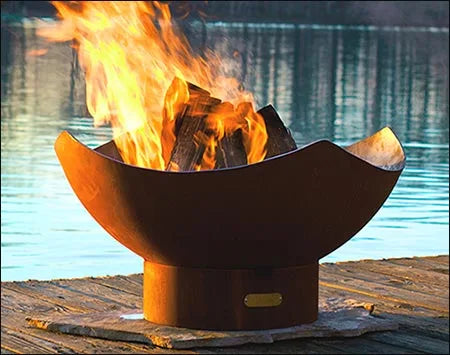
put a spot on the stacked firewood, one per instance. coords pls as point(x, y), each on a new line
point(192, 131)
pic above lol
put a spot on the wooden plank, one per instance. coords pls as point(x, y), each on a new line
point(441, 259)
point(414, 280)
point(60, 298)
point(411, 340)
point(433, 328)
point(297, 346)
point(82, 292)
point(15, 300)
point(366, 290)
point(403, 273)
point(49, 346)
point(20, 345)
point(120, 284)
point(337, 275)
point(112, 297)
point(306, 347)
point(380, 305)
point(424, 264)
point(363, 345)
point(136, 278)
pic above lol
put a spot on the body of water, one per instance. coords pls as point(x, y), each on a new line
point(337, 83)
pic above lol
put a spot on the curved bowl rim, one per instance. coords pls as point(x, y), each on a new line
point(393, 168)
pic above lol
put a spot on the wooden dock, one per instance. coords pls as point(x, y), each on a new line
point(412, 291)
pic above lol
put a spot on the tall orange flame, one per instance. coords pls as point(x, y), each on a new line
point(130, 52)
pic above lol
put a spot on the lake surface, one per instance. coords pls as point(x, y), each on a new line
point(338, 83)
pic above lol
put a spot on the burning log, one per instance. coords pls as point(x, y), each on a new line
point(189, 147)
point(230, 148)
point(231, 151)
point(198, 97)
point(190, 127)
point(279, 139)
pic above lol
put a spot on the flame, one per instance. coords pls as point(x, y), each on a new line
point(130, 52)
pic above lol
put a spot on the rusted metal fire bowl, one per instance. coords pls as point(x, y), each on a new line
point(236, 248)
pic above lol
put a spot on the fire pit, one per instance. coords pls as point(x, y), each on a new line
point(235, 248)
point(229, 216)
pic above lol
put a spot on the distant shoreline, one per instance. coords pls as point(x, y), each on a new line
point(355, 13)
point(8, 19)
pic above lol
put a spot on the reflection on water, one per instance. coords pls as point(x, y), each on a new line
point(338, 83)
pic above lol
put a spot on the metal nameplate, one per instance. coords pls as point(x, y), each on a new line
point(263, 299)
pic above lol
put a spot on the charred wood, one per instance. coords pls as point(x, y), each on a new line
point(188, 149)
point(231, 151)
point(279, 138)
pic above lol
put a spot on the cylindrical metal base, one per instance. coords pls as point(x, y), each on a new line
point(233, 299)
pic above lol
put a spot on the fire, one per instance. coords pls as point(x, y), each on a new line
point(131, 52)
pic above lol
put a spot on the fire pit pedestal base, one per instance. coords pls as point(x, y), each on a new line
point(230, 299)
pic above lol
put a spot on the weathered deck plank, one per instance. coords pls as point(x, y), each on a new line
point(424, 264)
point(412, 340)
point(441, 259)
point(380, 286)
point(413, 291)
point(404, 274)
